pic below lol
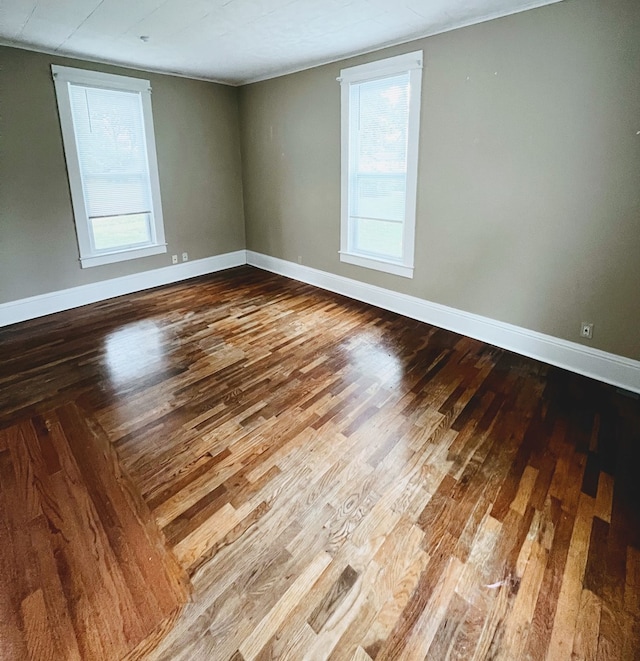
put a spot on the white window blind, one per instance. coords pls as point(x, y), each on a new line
point(380, 127)
point(112, 153)
point(109, 145)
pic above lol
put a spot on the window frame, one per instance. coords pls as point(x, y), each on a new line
point(411, 63)
point(63, 77)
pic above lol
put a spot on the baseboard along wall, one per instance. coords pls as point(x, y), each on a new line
point(74, 297)
point(607, 367)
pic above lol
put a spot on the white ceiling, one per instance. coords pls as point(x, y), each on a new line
point(233, 41)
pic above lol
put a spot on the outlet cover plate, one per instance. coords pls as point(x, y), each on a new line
point(586, 330)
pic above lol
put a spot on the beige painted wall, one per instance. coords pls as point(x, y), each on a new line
point(197, 139)
point(529, 173)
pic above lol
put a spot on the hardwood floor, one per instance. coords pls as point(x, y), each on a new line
point(85, 574)
point(337, 481)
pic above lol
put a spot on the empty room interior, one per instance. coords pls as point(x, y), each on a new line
point(320, 330)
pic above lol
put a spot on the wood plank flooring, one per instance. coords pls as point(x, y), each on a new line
point(337, 481)
point(84, 573)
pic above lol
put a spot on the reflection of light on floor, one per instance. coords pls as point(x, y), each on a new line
point(375, 359)
point(134, 352)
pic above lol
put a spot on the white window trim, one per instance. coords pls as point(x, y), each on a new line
point(62, 76)
point(411, 62)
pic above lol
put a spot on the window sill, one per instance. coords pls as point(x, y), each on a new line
point(122, 255)
point(377, 264)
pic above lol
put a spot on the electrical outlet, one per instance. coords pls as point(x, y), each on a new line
point(299, 259)
point(185, 256)
point(586, 330)
point(174, 259)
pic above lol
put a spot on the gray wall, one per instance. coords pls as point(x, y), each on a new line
point(197, 139)
point(529, 172)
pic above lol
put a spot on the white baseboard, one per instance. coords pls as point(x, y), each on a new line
point(66, 299)
point(601, 365)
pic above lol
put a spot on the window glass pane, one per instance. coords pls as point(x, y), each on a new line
point(378, 237)
point(120, 231)
point(109, 130)
point(379, 196)
point(379, 121)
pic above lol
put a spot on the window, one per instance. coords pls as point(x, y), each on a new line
point(107, 130)
point(380, 130)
